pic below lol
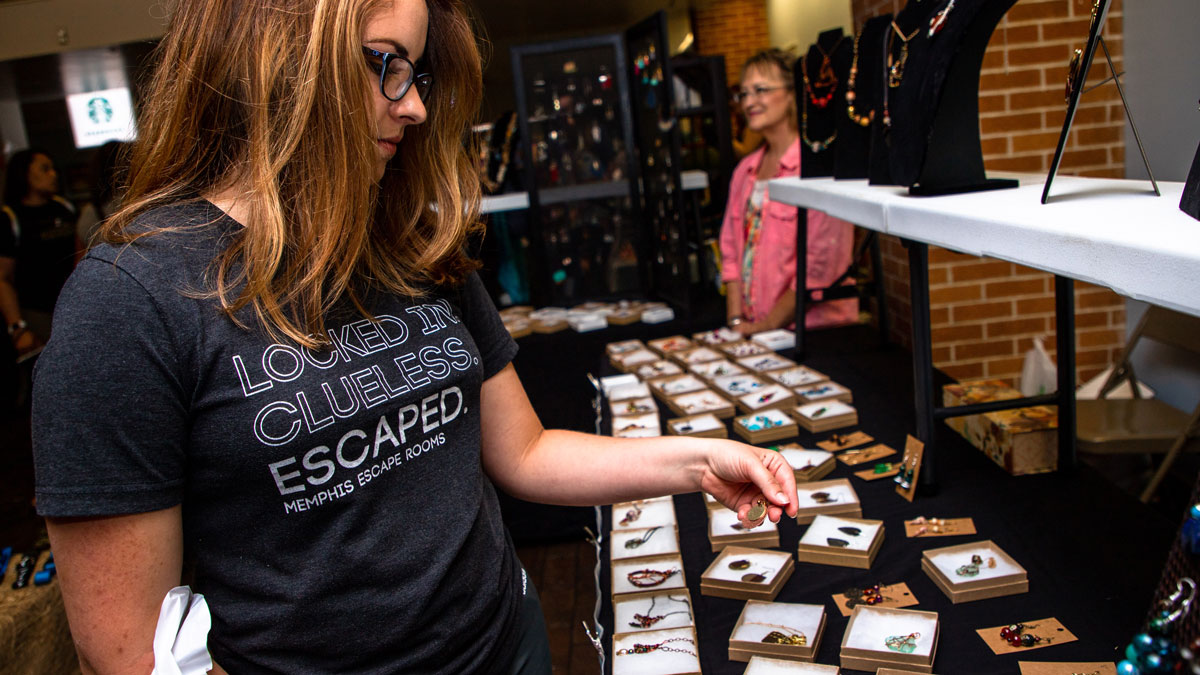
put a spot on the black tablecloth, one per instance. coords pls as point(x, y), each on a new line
point(1093, 554)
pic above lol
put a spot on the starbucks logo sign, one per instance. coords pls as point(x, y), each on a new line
point(99, 110)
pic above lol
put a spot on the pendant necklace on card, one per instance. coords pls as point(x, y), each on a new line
point(649, 618)
point(661, 646)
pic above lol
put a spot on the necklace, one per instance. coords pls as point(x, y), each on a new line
point(860, 120)
point(896, 65)
point(648, 577)
point(871, 595)
point(646, 649)
point(648, 619)
point(791, 636)
point(825, 77)
point(634, 543)
point(815, 146)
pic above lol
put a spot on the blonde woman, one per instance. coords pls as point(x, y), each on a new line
point(281, 374)
point(758, 236)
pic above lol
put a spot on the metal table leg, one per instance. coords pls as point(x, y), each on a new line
point(1064, 301)
point(922, 351)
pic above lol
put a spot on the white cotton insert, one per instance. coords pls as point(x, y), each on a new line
point(701, 401)
point(655, 513)
point(823, 527)
point(775, 391)
point(873, 626)
point(948, 562)
point(761, 665)
point(634, 389)
point(739, 383)
point(698, 423)
point(798, 617)
point(832, 409)
point(797, 377)
point(822, 390)
point(804, 459)
point(721, 522)
point(622, 568)
point(662, 542)
point(766, 563)
point(838, 493)
point(716, 369)
point(682, 385)
point(777, 417)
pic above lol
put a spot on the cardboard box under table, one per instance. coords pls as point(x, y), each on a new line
point(830, 497)
point(681, 659)
point(1022, 441)
point(826, 416)
point(977, 582)
point(706, 425)
point(724, 529)
point(842, 542)
point(871, 629)
point(747, 574)
point(778, 630)
point(765, 426)
point(808, 465)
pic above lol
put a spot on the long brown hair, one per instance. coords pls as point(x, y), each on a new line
point(272, 97)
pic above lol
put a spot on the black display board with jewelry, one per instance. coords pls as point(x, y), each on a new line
point(860, 99)
point(817, 90)
point(657, 146)
point(1190, 202)
point(931, 95)
point(1077, 73)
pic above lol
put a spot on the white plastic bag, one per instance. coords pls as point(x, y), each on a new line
point(181, 638)
point(1038, 375)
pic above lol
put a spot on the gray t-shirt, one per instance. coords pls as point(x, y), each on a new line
point(334, 503)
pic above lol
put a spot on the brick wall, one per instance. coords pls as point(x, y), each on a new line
point(733, 28)
point(985, 313)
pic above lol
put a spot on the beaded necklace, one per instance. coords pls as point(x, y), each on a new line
point(815, 146)
point(860, 120)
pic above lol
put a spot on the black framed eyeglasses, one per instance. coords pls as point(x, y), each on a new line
point(397, 74)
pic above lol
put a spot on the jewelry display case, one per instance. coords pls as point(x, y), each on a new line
point(646, 542)
point(880, 638)
point(577, 142)
point(781, 630)
point(831, 497)
point(974, 571)
point(658, 652)
point(761, 665)
point(724, 529)
point(743, 573)
point(653, 611)
point(842, 542)
point(807, 465)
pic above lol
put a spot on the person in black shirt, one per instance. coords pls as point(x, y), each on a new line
point(37, 248)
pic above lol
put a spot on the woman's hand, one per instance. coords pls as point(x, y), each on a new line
point(739, 475)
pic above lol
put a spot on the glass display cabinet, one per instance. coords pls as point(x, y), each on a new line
point(577, 139)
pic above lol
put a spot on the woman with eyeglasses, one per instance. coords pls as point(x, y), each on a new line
point(280, 373)
point(758, 236)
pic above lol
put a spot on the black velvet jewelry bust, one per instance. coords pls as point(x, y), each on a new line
point(819, 135)
point(934, 108)
point(1190, 203)
point(852, 152)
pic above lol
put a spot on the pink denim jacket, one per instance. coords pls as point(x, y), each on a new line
point(830, 246)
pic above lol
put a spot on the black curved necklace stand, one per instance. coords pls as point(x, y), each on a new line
point(953, 161)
